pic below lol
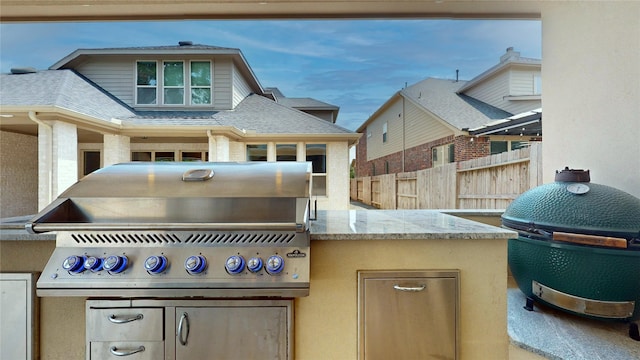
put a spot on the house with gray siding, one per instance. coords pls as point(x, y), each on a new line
point(438, 121)
point(185, 102)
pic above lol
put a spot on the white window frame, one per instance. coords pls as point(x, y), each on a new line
point(183, 87)
point(191, 86)
point(156, 85)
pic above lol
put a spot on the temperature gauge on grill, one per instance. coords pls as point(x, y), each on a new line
point(155, 264)
point(234, 264)
point(275, 264)
point(195, 264)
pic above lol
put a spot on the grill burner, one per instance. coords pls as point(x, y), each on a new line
point(181, 230)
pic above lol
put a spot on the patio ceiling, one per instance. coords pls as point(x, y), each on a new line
point(70, 10)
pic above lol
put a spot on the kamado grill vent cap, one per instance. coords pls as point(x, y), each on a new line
point(572, 175)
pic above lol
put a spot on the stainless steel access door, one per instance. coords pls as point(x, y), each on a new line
point(408, 315)
point(234, 332)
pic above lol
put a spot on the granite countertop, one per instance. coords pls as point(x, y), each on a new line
point(348, 225)
point(399, 224)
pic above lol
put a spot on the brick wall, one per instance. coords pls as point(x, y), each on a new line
point(471, 147)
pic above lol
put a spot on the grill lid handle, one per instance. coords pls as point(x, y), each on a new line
point(197, 175)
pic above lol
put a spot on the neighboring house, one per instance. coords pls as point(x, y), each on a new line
point(437, 121)
point(187, 102)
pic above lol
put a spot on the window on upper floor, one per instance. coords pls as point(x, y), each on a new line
point(146, 82)
point(384, 132)
point(176, 88)
point(173, 82)
point(537, 84)
point(200, 82)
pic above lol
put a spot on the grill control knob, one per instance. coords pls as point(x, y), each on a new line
point(234, 264)
point(155, 264)
point(74, 264)
point(274, 264)
point(115, 263)
point(195, 264)
point(254, 264)
point(93, 263)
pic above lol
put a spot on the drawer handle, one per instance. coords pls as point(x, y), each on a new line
point(410, 288)
point(183, 324)
point(114, 319)
point(114, 350)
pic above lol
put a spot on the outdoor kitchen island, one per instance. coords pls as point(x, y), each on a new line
point(343, 243)
point(346, 242)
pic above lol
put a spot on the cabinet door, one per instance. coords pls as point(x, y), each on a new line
point(18, 325)
point(405, 316)
point(229, 333)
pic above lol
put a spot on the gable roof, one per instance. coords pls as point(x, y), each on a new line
point(510, 58)
point(183, 48)
point(62, 89)
point(440, 97)
point(65, 89)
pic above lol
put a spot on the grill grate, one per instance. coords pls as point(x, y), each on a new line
point(240, 238)
point(126, 238)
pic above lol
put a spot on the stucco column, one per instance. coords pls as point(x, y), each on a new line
point(212, 146)
point(218, 147)
point(591, 90)
point(222, 148)
point(271, 151)
point(64, 156)
point(45, 165)
point(301, 152)
point(117, 149)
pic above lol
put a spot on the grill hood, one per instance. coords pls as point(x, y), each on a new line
point(183, 196)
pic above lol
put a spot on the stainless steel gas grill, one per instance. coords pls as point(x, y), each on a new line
point(183, 260)
point(181, 230)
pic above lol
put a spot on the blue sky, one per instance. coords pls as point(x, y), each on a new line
point(354, 64)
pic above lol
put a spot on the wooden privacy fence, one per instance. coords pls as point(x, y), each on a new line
point(490, 182)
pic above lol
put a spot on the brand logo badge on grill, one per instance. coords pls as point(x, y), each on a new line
point(296, 254)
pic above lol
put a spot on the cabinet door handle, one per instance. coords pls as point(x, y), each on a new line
point(184, 323)
point(410, 288)
point(116, 320)
point(114, 350)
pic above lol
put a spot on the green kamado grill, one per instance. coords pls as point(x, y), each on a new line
point(578, 248)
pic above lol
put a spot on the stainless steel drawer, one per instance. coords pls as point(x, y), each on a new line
point(125, 324)
point(408, 314)
point(138, 350)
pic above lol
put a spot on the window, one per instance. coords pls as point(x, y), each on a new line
point(193, 156)
point(384, 132)
point(200, 82)
point(498, 147)
point(91, 162)
point(257, 152)
point(317, 155)
point(537, 84)
point(173, 83)
point(169, 155)
point(442, 155)
point(286, 152)
point(146, 82)
point(141, 156)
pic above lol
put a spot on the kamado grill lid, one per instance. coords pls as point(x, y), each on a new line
point(573, 204)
